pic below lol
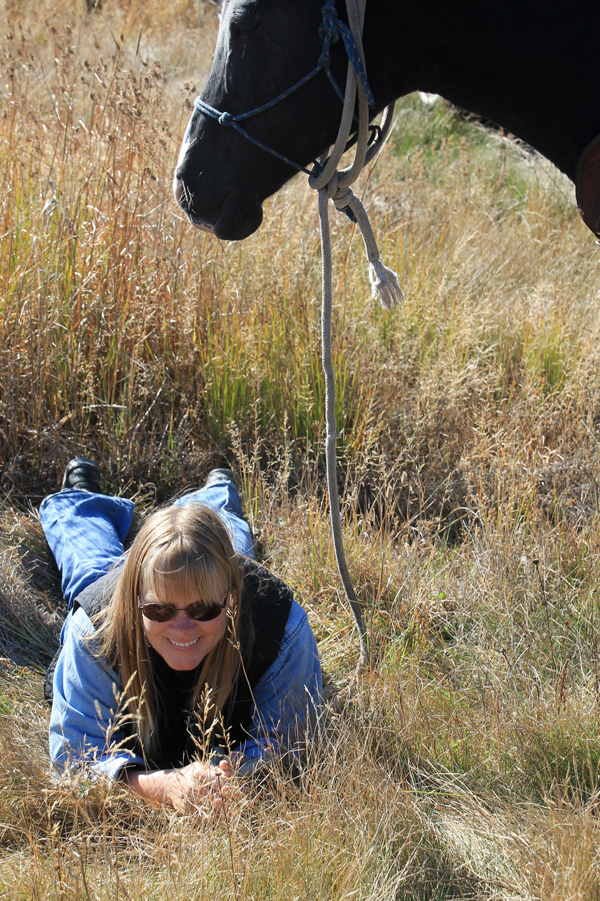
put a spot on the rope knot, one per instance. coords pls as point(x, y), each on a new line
point(225, 119)
point(341, 197)
point(329, 26)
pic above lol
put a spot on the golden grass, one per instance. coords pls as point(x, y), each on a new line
point(466, 763)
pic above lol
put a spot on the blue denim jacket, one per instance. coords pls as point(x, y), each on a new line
point(85, 532)
point(86, 692)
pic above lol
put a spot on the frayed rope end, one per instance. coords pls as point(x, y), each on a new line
point(384, 285)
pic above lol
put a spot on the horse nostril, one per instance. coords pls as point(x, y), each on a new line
point(178, 191)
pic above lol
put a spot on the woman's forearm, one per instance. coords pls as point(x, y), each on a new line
point(155, 785)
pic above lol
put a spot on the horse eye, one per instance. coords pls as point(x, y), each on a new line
point(245, 28)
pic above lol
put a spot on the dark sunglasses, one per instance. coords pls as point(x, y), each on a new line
point(201, 612)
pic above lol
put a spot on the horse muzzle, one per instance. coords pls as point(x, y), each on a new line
point(182, 197)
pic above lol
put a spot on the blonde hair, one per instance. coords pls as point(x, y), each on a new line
point(188, 548)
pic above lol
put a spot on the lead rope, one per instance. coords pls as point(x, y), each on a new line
point(334, 184)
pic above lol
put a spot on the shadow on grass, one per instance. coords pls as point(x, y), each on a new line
point(32, 608)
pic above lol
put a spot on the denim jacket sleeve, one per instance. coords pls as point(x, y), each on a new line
point(84, 719)
point(288, 697)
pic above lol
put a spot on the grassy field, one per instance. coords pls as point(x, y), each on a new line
point(466, 763)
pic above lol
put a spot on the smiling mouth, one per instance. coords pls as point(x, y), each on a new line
point(184, 644)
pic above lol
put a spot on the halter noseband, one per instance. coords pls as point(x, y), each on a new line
point(330, 30)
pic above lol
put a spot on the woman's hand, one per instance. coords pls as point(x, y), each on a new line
point(185, 789)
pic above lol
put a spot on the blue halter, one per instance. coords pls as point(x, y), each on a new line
point(330, 31)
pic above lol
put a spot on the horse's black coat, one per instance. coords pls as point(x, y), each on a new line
point(529, 65)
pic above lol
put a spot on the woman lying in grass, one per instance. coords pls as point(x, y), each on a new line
point(182, 662)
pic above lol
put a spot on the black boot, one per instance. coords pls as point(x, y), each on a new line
point(83, 474)
point(216, 476)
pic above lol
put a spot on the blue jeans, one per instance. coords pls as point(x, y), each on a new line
point(86, 531)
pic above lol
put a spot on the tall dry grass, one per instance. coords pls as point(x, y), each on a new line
point(466, 763)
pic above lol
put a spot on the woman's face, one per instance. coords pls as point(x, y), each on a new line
point(182, 642)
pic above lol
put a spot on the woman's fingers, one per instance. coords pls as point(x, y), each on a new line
point(200, 787)
point(226, 767)
point(209, 780)
point(210, 799)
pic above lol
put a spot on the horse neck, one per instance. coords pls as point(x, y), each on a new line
point(526, 65)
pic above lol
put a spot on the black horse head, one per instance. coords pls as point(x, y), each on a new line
point(526, 65)
point(264, 47)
